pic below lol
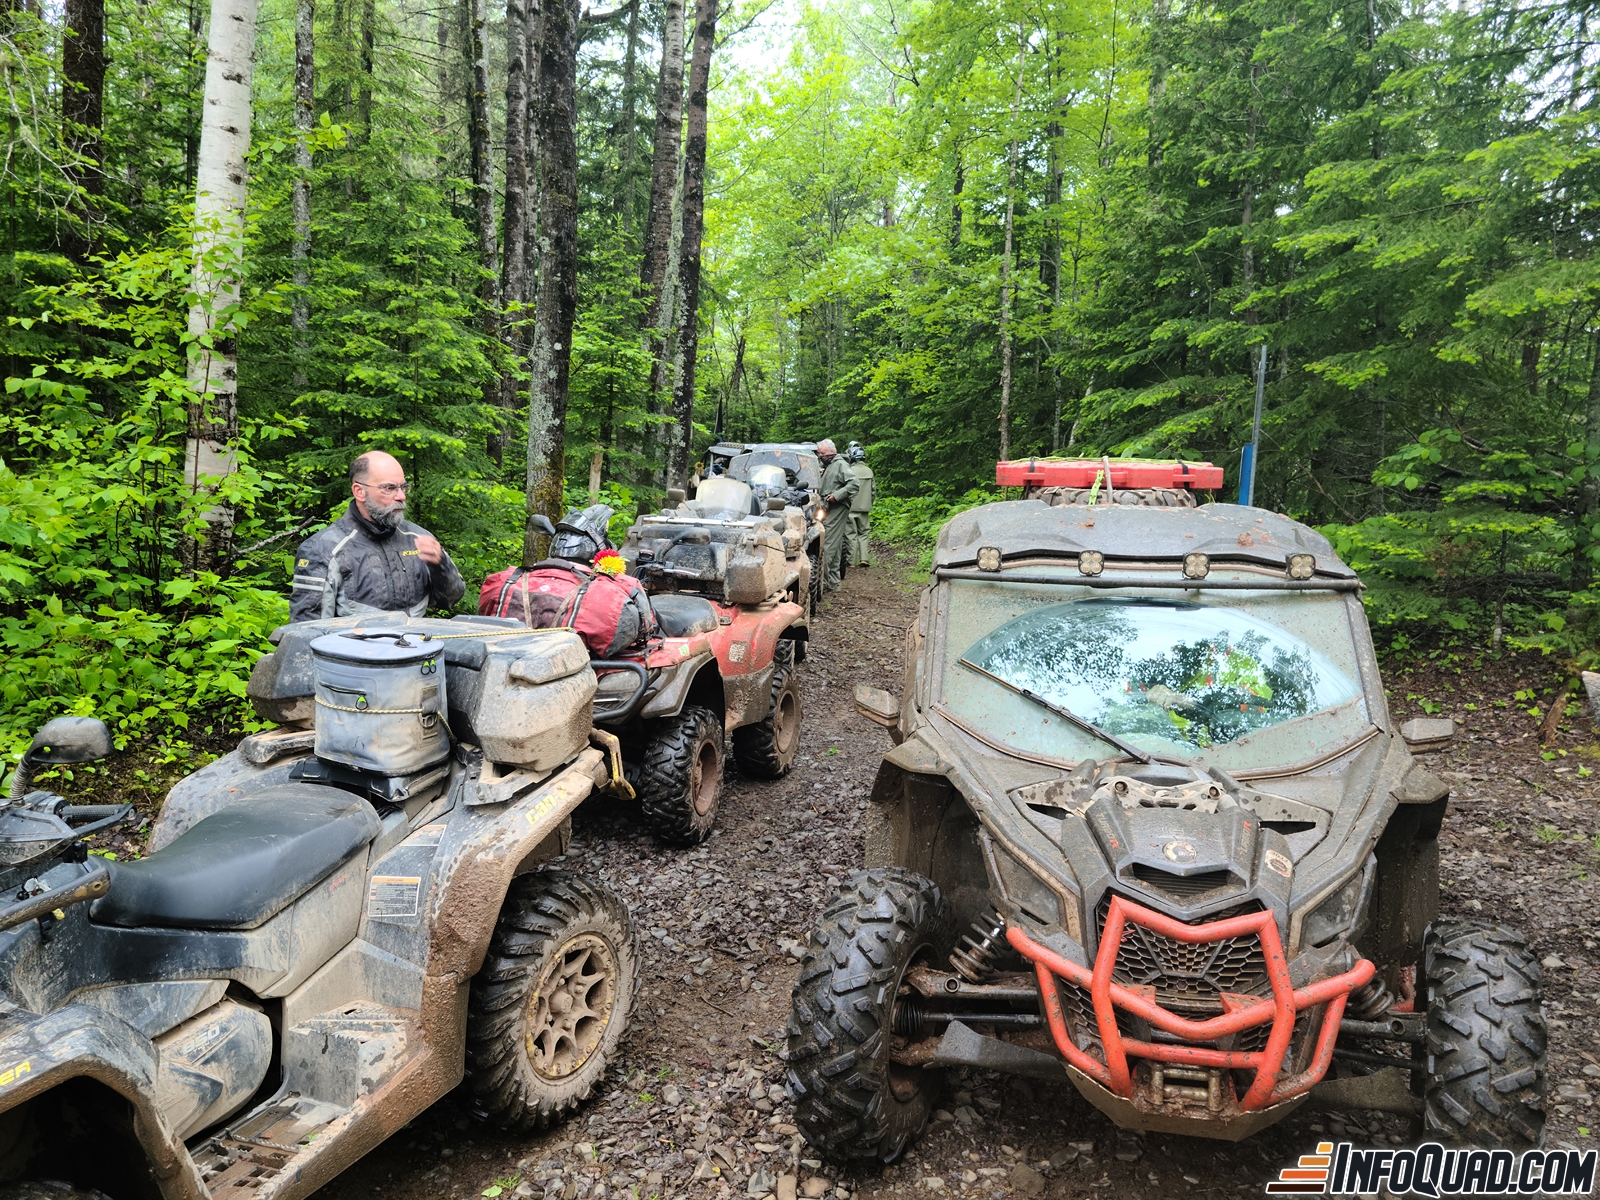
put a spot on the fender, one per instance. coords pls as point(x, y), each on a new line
point(80, 1041)
point(672, 687)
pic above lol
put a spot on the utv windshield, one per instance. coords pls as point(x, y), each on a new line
point(1175, 678)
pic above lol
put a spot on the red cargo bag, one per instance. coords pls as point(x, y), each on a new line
point(612, 614)
point(535, 596)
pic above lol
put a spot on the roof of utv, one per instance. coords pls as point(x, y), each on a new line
point(1021, 528)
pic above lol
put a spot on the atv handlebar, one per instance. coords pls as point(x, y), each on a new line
point(90, 886)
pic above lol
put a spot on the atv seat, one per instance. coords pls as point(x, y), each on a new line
point(241, 866)
point(683, 616)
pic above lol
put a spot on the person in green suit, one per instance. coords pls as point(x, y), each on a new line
point(860, 508)
point(839, 488)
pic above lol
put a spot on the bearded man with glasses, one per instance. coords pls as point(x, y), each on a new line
point(372, 559)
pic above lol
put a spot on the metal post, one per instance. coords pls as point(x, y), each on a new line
point(1255, 431)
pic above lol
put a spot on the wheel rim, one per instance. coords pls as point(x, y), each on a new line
point(786, 723)
point(570, 1009)
point(703, 780)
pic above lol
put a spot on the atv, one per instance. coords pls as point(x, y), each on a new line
point(719, 573)
point(1147, 826)
point(336, 923)
point(791, 473)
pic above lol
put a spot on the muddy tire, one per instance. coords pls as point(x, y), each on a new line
point(680, 780)
point(851, 1101)
point(1487, 1057)
point(814, 608)
point(552, 1000)
point(49, 1189)
point(767, 749)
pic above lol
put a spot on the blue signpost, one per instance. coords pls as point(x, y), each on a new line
point(1247, 460)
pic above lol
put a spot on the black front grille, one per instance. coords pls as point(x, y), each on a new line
point(1182, 887)
point(1185, 974)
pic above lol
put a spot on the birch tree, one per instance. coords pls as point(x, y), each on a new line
point(220, 181)
point(305, 83)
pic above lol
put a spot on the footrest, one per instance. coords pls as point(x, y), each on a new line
point(339, 1057)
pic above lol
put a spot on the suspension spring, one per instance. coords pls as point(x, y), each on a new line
point(974, 958)
point(1370, 1000)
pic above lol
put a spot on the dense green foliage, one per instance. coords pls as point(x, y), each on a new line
point(1398, 201)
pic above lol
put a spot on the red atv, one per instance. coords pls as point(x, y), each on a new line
point(709, 652)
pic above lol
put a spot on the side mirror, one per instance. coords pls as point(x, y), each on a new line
point(676, 495)
point(877, 706)
point(542, 523)
point(70, 740)
point(1423, 734)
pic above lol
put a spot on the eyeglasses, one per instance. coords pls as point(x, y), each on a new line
point(388, 489)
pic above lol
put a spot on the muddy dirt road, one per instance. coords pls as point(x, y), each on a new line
point(696, 1106)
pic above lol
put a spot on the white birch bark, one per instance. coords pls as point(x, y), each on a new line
point(218, 244)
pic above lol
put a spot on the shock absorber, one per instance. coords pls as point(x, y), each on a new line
point(1370, 1000)
point(974, 958)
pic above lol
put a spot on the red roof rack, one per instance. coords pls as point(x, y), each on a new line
point(1125, 473)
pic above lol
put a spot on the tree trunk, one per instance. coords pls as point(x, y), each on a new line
point(1005, 264)
point(551, 357)
point(305, 12)
point(442, 122)
point(530, 238)
point(514, 289)
point(664, 165)
point(626, 135)
point(83, 68)
point(687, 301)
point(369, 39)
point(956, 188)
point(213, 424)
point(481, 137)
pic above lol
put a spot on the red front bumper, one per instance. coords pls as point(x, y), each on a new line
point(1243, 1012)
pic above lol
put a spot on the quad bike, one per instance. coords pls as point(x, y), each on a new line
point(337, 922)
point(792, 473)
point(1148, 826)
point(725, 596)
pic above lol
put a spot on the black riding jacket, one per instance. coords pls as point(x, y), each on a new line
point(354, 566)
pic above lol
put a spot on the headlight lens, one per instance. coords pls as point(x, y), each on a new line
point(989, 558)
point(1339, 913)
point(1196, 566)
point(1091, 562)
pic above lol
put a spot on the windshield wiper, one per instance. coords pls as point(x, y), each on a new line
point(1066, 714)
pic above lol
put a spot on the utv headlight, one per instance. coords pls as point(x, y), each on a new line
point(1302, 566)
point(1091, 562)
point(1196, 566)
point(1340, 912)
point(989, 558)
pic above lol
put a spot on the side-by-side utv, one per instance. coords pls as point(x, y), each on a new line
point(1149, 827)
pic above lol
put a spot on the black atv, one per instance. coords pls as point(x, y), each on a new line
point(1148, 826)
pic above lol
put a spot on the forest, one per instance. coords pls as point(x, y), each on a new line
point(531, 245)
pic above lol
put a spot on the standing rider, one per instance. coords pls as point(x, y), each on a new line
point(860, 507)
point(838, 490)
point(372, 560)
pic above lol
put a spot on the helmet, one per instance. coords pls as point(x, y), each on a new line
point(582, 533)
point(854, 453)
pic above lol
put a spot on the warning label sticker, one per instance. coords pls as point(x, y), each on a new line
point(428, 835)
point(394, 896)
